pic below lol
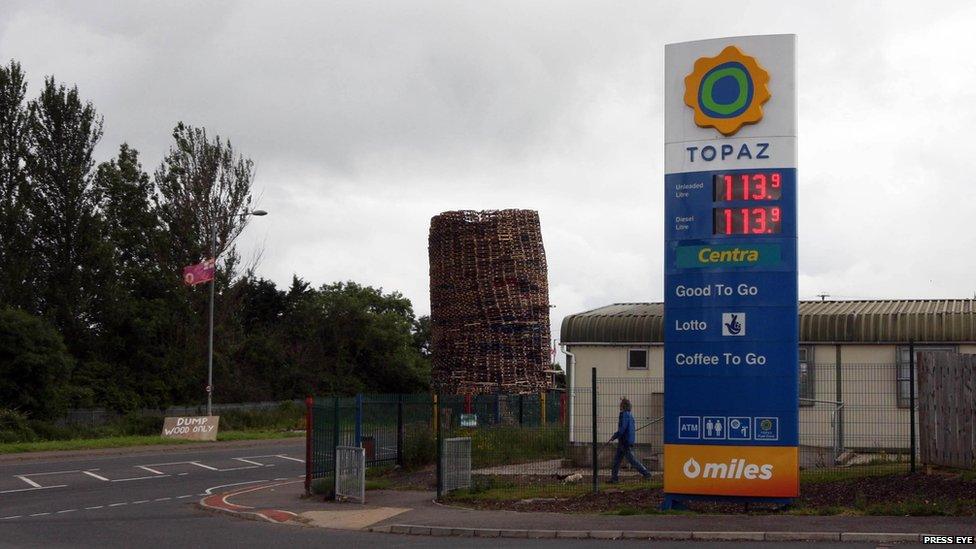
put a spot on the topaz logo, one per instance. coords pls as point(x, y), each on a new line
point(727, 91)
point(733, 324)
point(736, 468)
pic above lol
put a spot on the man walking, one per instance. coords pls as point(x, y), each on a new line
point(626, 436)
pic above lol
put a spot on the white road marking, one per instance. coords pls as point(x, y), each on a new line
point(245, 460)
point(66, 511)
point(291, 458)
point(141, 501)
point(138, 478)
point(282, 478)
point(32, 489)
point(150, 469)
point(11, 517)
point(198, 464)
point(210, 490)
point(162, 499)
point(28, 481)
point(39, 514)
point(118, 504)
point(93, 475)
point(94, 507)
point(182, 474)
point(186, 496)
point(51, 473)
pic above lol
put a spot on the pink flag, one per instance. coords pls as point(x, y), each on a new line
point(199, 273)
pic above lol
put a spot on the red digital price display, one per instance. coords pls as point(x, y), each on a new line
point(754, 220)
point(747, 186)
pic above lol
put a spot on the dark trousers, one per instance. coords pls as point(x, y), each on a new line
point(623, 451)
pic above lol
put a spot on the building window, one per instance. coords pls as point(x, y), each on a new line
point(637, 359)
point(904, 372)
point(808, 379)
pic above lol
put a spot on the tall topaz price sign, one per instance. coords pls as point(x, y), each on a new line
point(731, 328)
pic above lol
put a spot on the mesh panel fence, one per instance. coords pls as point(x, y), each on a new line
point(853, 420)
point(350, 478)
point(456, 464)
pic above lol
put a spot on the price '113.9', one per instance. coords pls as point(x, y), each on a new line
point(749, 220)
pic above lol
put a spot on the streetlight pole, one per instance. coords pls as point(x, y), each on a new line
point(213, 284)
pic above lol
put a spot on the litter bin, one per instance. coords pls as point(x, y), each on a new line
point(369, 444)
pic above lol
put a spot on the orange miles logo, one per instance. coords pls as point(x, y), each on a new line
point(762, 471)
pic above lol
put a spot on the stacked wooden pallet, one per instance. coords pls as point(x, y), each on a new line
point(489, 299)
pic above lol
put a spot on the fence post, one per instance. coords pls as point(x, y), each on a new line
point(399, 440)
point(839, 397)
point(433, 414)
point(593, 444)
point(911, 396)
point(437, 428)
point(308, 444)
point(335, 439)
point(359, 421)
point(542, 409)
point(562, 408)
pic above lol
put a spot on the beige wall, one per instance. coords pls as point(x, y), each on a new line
point(871, 416)
point(644, 388)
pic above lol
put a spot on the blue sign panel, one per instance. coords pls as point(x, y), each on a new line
point(731, 320)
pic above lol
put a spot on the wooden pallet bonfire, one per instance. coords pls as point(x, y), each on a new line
point(489, 300)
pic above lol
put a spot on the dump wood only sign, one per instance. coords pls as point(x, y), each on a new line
point(191, 428)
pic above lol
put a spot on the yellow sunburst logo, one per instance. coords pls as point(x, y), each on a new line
point(727, 91)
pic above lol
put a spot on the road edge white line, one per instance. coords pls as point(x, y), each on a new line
point(93, 475)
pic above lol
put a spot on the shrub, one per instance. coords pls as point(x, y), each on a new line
point(419, 446)
point(286, 416)
point(34, 365)
point(15, 427)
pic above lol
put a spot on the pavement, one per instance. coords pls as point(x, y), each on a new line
point(415, 513)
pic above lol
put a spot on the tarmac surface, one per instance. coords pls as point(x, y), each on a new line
point(152, 497)
point(415, 513)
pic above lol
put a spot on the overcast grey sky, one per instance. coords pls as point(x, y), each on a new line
point(367, 118)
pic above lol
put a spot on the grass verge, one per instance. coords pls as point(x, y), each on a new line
point(497, 488)
point(122, 442)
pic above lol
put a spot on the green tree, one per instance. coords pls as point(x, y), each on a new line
point(346, 338)
point(34, 365)
point(203, 185)
point(139, 308)
point(16, 269)
point(71, 258)
point(125, 198)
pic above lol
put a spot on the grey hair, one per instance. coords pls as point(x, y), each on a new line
point(625, 404)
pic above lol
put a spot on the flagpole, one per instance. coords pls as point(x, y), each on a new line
point(213, 282)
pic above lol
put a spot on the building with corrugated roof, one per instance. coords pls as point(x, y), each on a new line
point(853, 368)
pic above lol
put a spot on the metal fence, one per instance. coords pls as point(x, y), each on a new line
point(456, 464)
point(853, 418)
point(350, 478)
point(391, 429)
point(99, 417)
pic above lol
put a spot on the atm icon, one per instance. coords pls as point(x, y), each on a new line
point(689, 427)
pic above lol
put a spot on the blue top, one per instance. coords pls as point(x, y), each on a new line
point(626, 433)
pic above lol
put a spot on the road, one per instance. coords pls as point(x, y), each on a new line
point(149, 500)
